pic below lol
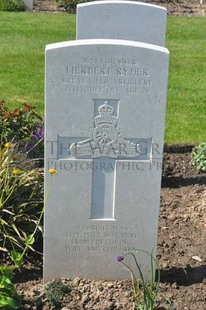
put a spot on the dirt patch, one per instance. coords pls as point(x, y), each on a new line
point(176, 8)
point(184, 7)
point(181, 251)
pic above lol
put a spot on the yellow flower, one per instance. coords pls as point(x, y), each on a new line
point(52, 171)
point(7, 145)
point(16, 171)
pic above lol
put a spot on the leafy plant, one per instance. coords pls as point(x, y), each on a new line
point(56, 292)
point(12, 5)
point(70, 5)
point(21, 198)
point(21, 124)
point(9, 298)
point(144, 293)
point(24, 127)
point(199, 156)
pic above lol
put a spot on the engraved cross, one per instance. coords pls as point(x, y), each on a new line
point(106, 146)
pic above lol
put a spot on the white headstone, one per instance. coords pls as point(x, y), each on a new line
point(125, 20)
point(105, 111)
point(29, 4)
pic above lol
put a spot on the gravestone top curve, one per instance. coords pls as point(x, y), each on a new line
point(125, 20)
point(106, 42)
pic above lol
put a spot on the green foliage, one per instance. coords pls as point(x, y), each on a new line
point(145, 292)
point(21, 184)
point(9, 299)
point(70, 5)
point(199, 156)
point(21, 124)
point(12, 5)
point(57, 293)
point(21, 198)
point(21, 193)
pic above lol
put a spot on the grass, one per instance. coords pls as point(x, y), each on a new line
point(23, 39)
point(186, 109)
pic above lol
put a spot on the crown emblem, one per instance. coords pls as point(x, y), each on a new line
point(105, 115)
point(105, 139)
point(105, 109)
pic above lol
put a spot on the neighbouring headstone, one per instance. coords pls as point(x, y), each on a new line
point(105, 111)
point(124, 20)
point(29, 4)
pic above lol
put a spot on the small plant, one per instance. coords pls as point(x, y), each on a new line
point(24, 127)
point(70, 5)
point(144, 293)
point(9, 298)
point(57, 293)
point(21, 124)
point(12, 5)
point(21, 198)
point(199, 156)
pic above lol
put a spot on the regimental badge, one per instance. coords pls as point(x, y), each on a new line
point(106, 139)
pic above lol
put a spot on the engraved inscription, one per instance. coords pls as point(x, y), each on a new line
point(100, 238)
point(98, 75)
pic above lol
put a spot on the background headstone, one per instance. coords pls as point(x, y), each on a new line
point(29, 4)
point(105, 111)
point(125, 20)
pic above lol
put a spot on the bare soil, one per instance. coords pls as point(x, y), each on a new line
point(175, 7)
point(181, 251)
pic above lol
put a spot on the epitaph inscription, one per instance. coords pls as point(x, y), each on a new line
point(100, 238)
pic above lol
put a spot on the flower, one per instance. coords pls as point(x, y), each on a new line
point(52, 171)
point(119, 258)
point(15, 171)
point(7, 145)
point(39, 134)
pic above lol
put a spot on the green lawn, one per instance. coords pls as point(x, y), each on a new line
point(23, 38)
point(186, 108)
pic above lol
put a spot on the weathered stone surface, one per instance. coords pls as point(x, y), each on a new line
point(105, 110)
point(125, 20)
